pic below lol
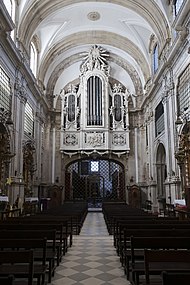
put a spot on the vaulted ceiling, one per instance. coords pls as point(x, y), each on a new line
point(65, 30)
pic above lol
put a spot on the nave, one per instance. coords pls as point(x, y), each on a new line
point(92, 259)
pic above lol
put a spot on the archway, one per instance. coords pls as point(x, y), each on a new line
point(94, 181)
point(161, 170)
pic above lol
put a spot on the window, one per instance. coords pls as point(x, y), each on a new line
point(9, 4)
point(155, 58)
point(146, 135)
point(5, 91)
point(94, 166)
point(159, 119)
point(183, 90)
point(42, 136)
point(94, 101)
point(177, 6)
point(29, 120)
point(33, 58)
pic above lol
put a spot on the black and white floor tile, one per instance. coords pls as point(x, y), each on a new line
point(92, 259)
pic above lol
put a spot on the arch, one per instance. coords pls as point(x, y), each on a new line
point(148, 9)
point(56, 73)
point(161, 170)
point(83, 181)
point(33, 58)
point(101, 37)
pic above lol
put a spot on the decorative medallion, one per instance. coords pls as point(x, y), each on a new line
point(119, 139)
point(93, 16)
point(70, 139)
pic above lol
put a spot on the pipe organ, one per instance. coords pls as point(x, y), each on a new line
point(95, 114)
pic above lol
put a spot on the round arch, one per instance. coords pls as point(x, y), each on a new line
point(161, 170)
point(148, 10)
point(94, 181)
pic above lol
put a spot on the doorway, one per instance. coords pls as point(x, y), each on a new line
point(95, 181)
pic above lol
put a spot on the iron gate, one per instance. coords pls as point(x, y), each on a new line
point(95, 181)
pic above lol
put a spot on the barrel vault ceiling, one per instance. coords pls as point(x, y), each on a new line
point(65, 30)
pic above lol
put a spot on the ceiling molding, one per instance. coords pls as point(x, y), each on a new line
point(91, 38)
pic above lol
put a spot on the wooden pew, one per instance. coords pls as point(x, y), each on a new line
point(50, 235)
point(138, 244)
point(61, 238)
point(66, 222)
point(20, 265)
point(154, 225)
point(123, 222)
point(125, 254)
point(157, 261)
point(7, 280)
point(39, 253)
point(171, 278)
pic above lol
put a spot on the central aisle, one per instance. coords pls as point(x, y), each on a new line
point(92, 259)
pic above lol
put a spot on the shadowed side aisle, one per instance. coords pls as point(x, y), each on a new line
point(92, 260)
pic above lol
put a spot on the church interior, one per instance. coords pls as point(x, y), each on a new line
point(94, 102)
point(94, 128)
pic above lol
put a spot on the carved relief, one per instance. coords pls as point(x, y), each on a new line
point(119, 139)
point(95, 59)
point(70, 140)
point(94, 139)
point(29, 166)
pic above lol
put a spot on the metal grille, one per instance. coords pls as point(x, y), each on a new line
point(5, 91)
point(184, 90)
point(95, 181)
point(29, 120)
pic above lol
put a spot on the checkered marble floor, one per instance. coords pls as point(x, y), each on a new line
point(92, 259)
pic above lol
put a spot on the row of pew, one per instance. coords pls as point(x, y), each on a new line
point(152, 249)
point(32, 247)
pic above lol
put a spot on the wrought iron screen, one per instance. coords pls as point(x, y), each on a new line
point(95, 181)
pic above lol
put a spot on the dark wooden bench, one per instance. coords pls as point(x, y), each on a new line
point(138, 244)
point(20, 265)
point(39, 253)
point(161, 220)
point(157, 261)
point(122, 220)
point(125, 243)
point(145, 225)
point(50, 235)
point(7, 280)
point(66, 221)
point(171, 278)
point(61, 237)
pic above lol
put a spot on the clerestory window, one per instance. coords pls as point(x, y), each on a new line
point(155, 58)
point(177, 6)
point(159, 119)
